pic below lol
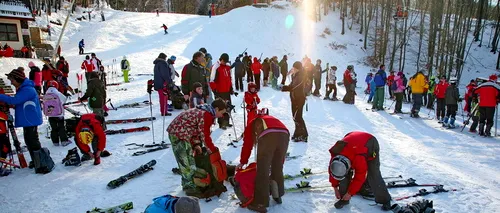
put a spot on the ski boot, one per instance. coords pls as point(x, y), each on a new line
point(170, 108)
point(451, 125)
point(445, 122)
point(487, 131)
point(481, 129)
point(326, 98)
point(86, 157)
point(440, 120)
point(273, 186)
point(65, 143)
point(257, 208)
point(341, 203)
point(386, 206)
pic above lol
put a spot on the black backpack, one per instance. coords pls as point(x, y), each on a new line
point(42, 161)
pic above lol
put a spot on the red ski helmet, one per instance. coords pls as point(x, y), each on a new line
point(53, 83)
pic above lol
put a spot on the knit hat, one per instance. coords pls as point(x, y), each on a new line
point(224, 57)
point(196, 85)
point(31, 64)
point(297, 65)
point(203, 50)
point(162, 56)
point(172, 58)
point(17, 74)
point(400, 73)
point(187, 205)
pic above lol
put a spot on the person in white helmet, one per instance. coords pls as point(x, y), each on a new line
point(452, 97)
point(357, 153)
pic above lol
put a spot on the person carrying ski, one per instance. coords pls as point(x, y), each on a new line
point(275, 72)
point(469, 89)
point(440, 94)
point(284, 69)
point(28, 113)
point(317, 72)
point(418, 86)
point(125, 65)
point(53, 108)
point(239, 73)
point(331, 84)
point(256, 70)
point(35, 75)
point(88, 66)
point(266, 68)
point(354, 167)
point(81, 45)
point(350, 85)
point(251, 100)
point(390, 80)
point(194, 72)
point(196, 96)
point(221, 84)
point(96, 95)
point(430, 93)
point(90, 131)
point(272, 138)
point(165, 28)
point(380, 80)
point(163, 82)
point(489, 94)
point(368, 79)
point(452, 97)
point(189, 132)
point(399, 92)
point(298, 98)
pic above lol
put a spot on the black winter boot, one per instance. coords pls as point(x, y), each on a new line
point(481, 129)
point(487, 131)
point(341, 203)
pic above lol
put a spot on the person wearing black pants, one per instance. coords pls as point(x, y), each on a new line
point(440, 109)
point(249, 69)
point(58, 131)
point(298, 99)
point(489, 94)
point(284, 69)
point(239, 73)
point(31, 139)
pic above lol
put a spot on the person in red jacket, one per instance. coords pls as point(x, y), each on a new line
point(390, 80)
point(256, 69)
point(25, 51)
point(357, 153)
point(89, 131)
point(350, 85)
point(9, 52)
point(88, 66)
point(440, 92)
point(469, 92)
point(47, 71)
point(489, 94)
point(222, 86)
point(271, 137)
point(251, 100)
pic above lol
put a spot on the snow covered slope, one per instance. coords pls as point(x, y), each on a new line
point(413, 148)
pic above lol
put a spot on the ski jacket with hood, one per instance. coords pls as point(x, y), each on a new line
point(256, 66)
point(162, 74)
point(489, 94)
point(220, 78)
point(27, 105)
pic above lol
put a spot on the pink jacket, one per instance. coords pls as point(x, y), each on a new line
point(399, 83)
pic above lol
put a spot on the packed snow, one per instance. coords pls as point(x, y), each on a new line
point(416, 148)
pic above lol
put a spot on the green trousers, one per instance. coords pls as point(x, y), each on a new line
point(378, 99)
point(125, 76)
point(183, 153)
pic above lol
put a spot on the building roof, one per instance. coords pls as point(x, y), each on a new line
point(15, 9)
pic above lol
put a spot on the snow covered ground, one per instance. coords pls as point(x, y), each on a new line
point(420, 149)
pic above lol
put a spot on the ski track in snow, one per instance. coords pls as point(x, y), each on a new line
point(415, 148)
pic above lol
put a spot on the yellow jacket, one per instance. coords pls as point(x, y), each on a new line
point(418, 84)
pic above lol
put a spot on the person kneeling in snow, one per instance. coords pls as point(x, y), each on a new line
point(358, 153)
point(90, 131)
point(251, 100)
point(189, 132)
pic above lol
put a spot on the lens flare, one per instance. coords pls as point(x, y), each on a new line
point(289, 21)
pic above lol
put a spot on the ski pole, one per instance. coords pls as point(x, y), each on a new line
point(152, 122)
point(85, 106)
point(234, 127)
point(163, 128)
point(496, 120)
point(391, 104)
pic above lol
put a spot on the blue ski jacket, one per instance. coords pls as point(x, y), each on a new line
point(27, 105)
point(380, 78)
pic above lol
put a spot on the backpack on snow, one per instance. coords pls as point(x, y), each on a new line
point(42, 161)
point(124, 65)
point(162, 204)
point(52, 105)
point(244, 184)
point(205, 177)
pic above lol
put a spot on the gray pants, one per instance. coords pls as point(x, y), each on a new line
point(374, 177)
point(100, 111)
point(271, 152)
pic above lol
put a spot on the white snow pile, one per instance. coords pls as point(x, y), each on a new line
point(413, 148)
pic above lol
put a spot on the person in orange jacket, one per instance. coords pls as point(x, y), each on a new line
point(354, 163)
point(256, 69)
point(251, 101)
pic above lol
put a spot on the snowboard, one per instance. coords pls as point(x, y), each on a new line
point(119, 208)
point(132, 120)
point(129, 130)
point(123, 179)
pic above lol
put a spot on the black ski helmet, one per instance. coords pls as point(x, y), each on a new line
point(203, 50)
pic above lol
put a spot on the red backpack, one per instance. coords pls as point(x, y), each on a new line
point(245, 184)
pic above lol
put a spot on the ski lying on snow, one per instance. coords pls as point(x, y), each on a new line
point(119, 208)
point(141, 170)
point(113, 84)
point(161, 147)
point(424, 192)
point(132, 120)
point(129, 130)
point(7, 163)
point(407, 183)
point(73, 112)
point(134, 105)
point(306, 172)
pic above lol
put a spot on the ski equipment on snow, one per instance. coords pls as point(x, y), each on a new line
point(119, 208)
point(129, 130)
point(132, 120)
point(158, 148)
point(424, 192)
point(142, 169)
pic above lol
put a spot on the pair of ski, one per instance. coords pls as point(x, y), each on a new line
point(134, 105)
point(115, 209)
point(152, 148)
point(127, 130)
point(139, 171)
point(132, 120)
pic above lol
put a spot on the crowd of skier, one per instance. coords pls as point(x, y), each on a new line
point(205, 95)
